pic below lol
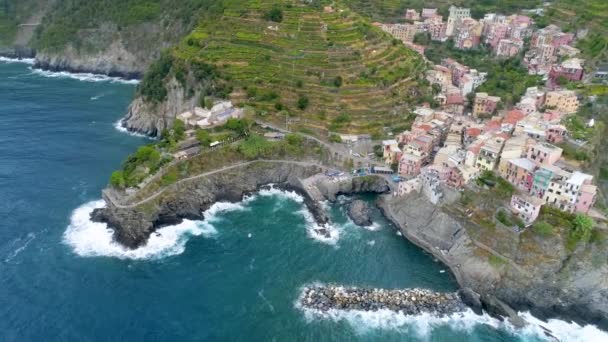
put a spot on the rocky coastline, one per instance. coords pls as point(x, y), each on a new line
point(18, 52)
point(359, 211)
point(571, 291)
point(408, 301)
point(500, 291)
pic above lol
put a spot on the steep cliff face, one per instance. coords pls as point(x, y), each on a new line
point(528, 273)
point(188, 199)
point(151, 118)
point(116, 60)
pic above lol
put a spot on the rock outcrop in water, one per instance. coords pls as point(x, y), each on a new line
point(188, 199)
point(540, 277)
point(359, 211)
point(408, 302)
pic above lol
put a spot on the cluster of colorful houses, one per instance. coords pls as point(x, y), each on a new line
point(504, 35)
point(444, 148)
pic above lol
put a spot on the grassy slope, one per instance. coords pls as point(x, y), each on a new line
point(304, 57)
point(573, 15)
point(79, 22)
point(13, 13)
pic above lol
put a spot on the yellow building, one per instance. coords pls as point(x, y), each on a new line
point(564, 101)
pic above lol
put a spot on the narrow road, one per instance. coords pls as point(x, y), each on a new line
point(332, 148)
point(115, 203)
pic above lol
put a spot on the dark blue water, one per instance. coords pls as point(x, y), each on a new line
point(234, 277)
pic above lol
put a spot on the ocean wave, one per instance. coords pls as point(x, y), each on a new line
point(211, 214)
point(30, 61)
point(28, 239)
point(85, 77)
point(119, 127)
point(422, 325)
point(94, 239)
point(270, 190)
point(313, 229)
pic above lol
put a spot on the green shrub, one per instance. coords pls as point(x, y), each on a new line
point(117, 179)
point(152, 87)
point(255, 146)
point(335, 138)
point(203, 137)
point(543, 228)
point(275, 14)
point(303, 102)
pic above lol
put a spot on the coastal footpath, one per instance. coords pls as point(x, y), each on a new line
point(510, 271)
point(502, 274)
point(134, 222)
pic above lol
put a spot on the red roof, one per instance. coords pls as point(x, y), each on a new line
point(425, 127)
point(492, 125)
point(514, 116)
point(473, 131)
point(503, 135)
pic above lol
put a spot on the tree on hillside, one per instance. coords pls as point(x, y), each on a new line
point(303, 102)
point(274, 14)
point(583, 226)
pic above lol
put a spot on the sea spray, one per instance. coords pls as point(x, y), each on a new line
point(121, 128)
point(422, 324)
point(91, 239)
point(30, 61)
point(85, 77)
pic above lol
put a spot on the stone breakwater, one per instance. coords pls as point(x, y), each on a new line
point(408, 302)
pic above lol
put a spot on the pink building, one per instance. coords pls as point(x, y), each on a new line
point(544, 153)
point(552, 115)
point(412, 14)
point(410, 165)
point(571, 69)
point(509, 47)
point(429, 12)
point(556, 134)
point(526, 207)
point(520, 172)
point(586, 198)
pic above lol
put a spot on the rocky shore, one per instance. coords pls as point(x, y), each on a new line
point(408, 302)
point(133, 224)
point(359, 211)
point(573, 289)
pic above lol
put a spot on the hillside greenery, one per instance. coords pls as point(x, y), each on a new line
point(573, 15)
point(286, 58)
point(13, 13)
point(507, 78)
point(66, 22)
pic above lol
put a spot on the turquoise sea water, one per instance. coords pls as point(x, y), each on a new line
point(235, 276)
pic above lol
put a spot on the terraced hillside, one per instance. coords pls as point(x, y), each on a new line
point(321, 68)
point(394, 10)
point(592, 15)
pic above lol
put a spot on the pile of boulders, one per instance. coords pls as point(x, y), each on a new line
point(409, 302)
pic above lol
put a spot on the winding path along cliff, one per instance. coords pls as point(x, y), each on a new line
point(502, 275)
point(189, 198)
point(537, 276)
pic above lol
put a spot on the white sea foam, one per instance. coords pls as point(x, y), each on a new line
point(272, 191)
point(422, 325)
point(85, 77)
point(313, 228)
point(563, 330)
point(89, 239)
point(17, 60)
point(26, 242)
point(119, 127)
